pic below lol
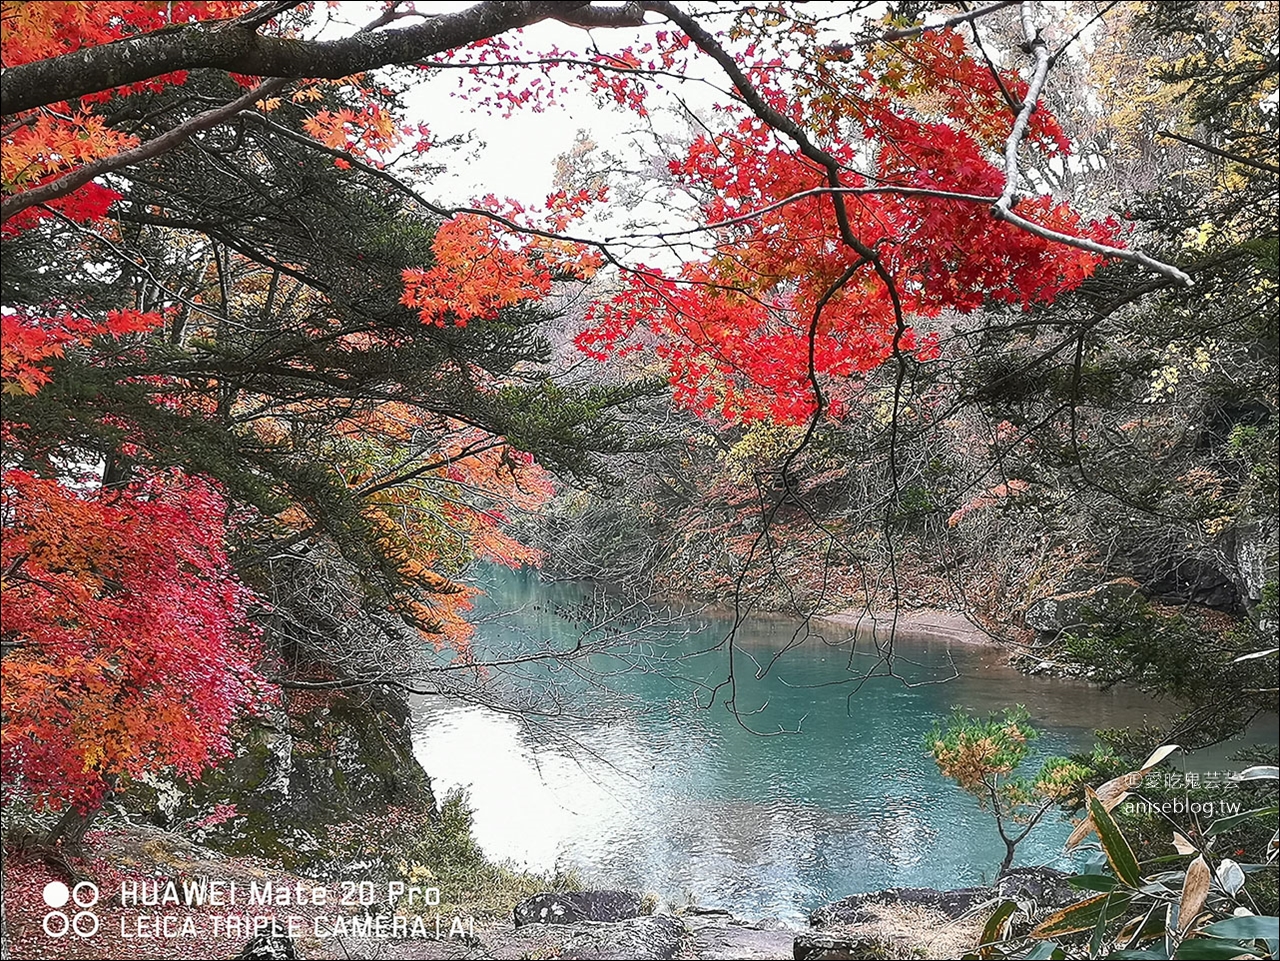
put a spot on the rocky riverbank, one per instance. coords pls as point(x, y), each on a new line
point(895, 923)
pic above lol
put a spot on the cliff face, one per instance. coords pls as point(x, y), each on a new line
point(310, 786)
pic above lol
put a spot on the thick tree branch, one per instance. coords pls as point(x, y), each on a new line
point(587, 15)
point(1040, 70)
point(235, 46)
point(1102, 250)
point(16, 203)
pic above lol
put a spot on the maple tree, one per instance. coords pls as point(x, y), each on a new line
point(288, 313)
point(127, 644)
point(778, 304)
point(366, 445)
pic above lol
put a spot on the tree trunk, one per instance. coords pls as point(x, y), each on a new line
point(1008, 857)
point(72, 826)
point(116, 470)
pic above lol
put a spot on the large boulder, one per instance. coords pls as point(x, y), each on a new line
point(652, 938)
point(569, 907)
point(1176, 580)
point(860, 908)
point(1045, 888)
point(1227, 574)
point(926, 922)
point(1103, 603)
point(898, 923)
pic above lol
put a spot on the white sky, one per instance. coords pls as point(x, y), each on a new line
point(515, 156)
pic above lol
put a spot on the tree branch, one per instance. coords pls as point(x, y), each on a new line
point(265, 12)
point(1217, 152)
point(236, 47)
point(1040, 70)
point(1002, 209)
point(586, 15)
point(908, 32)
point(80, 176)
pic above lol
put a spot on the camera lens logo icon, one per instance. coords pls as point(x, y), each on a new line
point(57, 923)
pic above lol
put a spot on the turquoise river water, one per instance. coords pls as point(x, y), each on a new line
point(818, 788)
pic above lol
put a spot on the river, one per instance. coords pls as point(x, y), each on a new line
point(819, 787)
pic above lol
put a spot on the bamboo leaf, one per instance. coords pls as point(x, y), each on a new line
point(1195, 891)
point(1046, 951)
point(1260, 772)
point(1119, 854)
point(1144, 927)
point(1207, 949)
point(1110, 793)
point(1158, 755)
point(1181, 844)
point(1092, 882)
point(996, 927)
point(1229, 876)
point(1082, 916)
point(1223, 824)
point(1245, 928)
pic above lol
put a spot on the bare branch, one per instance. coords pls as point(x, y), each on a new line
point(1002, 209)
point(1102, 250)
point(1040, 70)
point(265, 12)
point(908, 32)
point(1217, 152)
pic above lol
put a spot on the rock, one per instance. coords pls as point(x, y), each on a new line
point(657, 937)
point(715, 935)
point(1256, 547)
point(697, 910)
point(1046, 887)
point(898, 923)
point(1104, 602)
point(1190, 579)
point(1226, 574)
point(568, 907)
point(825, 947)
point(855, 909)
point(278, 746)
point(1033, 664)
point(272, 945)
